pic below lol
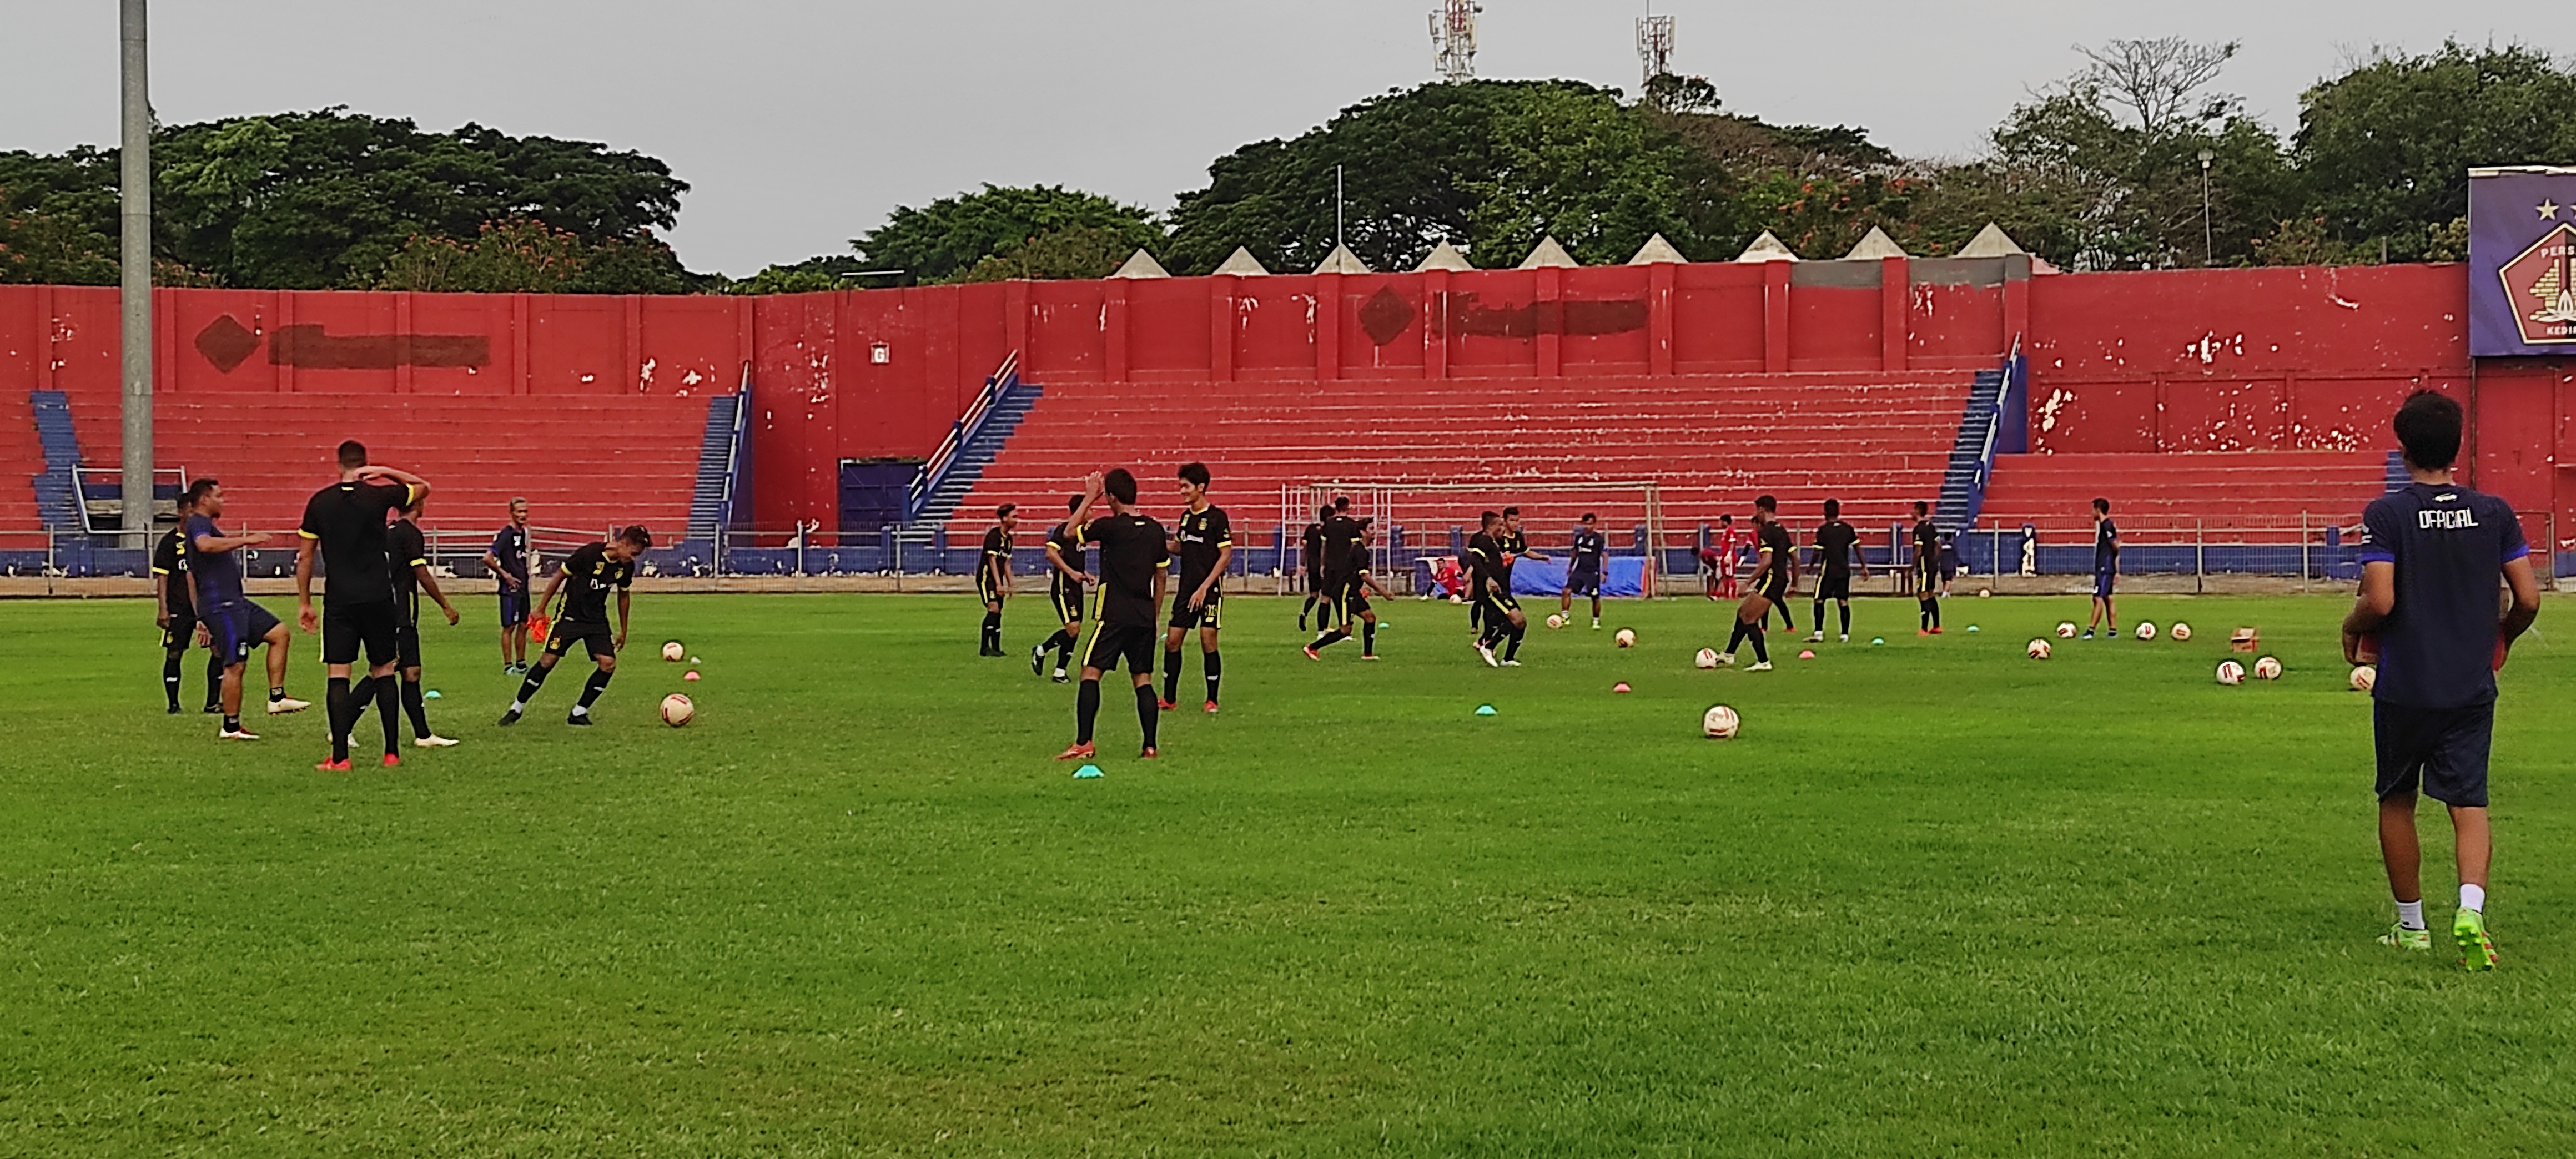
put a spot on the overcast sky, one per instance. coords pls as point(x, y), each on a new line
point(800, 123)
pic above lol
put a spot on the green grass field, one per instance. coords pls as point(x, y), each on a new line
point(1937, 900)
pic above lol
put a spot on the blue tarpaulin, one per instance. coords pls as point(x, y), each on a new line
point(1621, 575)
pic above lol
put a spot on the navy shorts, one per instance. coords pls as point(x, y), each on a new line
point(1583, 583)
point(2441, 750)
point(235, 630)
point(514, 605)
point(2102, 584)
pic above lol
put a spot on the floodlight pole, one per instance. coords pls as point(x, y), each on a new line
point(1337, 206)
point(134, 254)
point(2208, 238)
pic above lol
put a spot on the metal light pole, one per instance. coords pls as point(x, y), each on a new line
point(2208, 238)
point(134, 182)
point(1337, 207)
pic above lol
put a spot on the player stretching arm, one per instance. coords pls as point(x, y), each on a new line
point(1066, 581)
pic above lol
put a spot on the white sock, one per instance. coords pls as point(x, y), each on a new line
point(2473, 897)
point(581, 710)
point(518, 706)
point(2410, 914)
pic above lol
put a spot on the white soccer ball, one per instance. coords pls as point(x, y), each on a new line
point(2180, 631)
point(1626, 638)
point(2146, 630)
point(2038, 649)
point(673, 652)
point(1984, 593)
point(2267, 668)
point(2066, 629)
point(2231, 672)
point(1720, 723)
point(1555, 621)
point(2365, 677)
point(677, 710)
point(1707, 658)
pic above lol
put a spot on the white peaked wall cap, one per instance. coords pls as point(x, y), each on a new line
point(1548, 254)
point(1342, 261)
point(1141, 265)
point(1991, 242)
point(1243, 263)
point(1767, 248)
point(1656, 251)
point(1444, 257)
point(1876, 244)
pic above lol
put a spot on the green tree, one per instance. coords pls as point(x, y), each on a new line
point(941, 241)
point(1080, 252)
point(524, 255)
point(2385, 149)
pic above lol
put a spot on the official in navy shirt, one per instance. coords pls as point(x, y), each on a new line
point(2434, 557)
point(2106, 571)
point(507, 561)
point(1583, 567)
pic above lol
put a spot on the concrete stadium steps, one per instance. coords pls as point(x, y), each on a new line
point(581, 462)
point(1877, 442)
point(22, 458)
point(2164, 494)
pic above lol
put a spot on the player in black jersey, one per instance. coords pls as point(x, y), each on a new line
point(345, 524)
point(1504, 622)
point(1340, 551)
point(993, 575)
point(1583, 569)
point(1772, 549)
point(1204, 543)
point(1065, 584)
point(1313, 543)
point(1927, 571)
point(1479, 559)
point(1836, 542)
point(407, 554)
point(1134, 570)
point(587, 576)
point(175, 610)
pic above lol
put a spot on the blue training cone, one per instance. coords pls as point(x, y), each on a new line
point(432, 694)
point(1086, 772)
point(1484, 710)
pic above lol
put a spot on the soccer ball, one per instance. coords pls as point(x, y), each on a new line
point(2231, 672)
point(677, 710)
point(1983, 593)
point(1627, 639)
point(1707, 658)
point(2180, 632)
point(2038, 649)
point(1720, 723)
point(2364, 677)
point(1555, 621)
point(673, 652)
point(2146, 630)
point(2066, 629)
point(2267, 668)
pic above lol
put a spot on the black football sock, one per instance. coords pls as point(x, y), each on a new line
point(1596, 607)
point(416, 708)
point(214, 680)
point(1737, 640)
point(1512, 650)
point(1215, 669)
point(1086, 711)
point(1149, 711)
point(276, 694)
point(1846, 614)
point(1934, 608)
point(389, 712)
point(1054, 642)
point(1818, 614)
point(1923, 615)
point(170, 677)
point(590, 690)
point(339, 704)
point(1064, 654)
point(1761, 652)
point(992, 631)
point(232, 724)
point(1368, 637)
point(1330, 637)
point(1171, 674)
point(528, 687)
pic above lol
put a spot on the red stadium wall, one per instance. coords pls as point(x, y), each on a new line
point(2154, 362)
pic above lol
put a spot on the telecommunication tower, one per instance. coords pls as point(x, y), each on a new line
point(1453, 38)
point(1655, 43)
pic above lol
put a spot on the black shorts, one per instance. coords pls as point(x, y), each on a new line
point(2441, 750)
point(1499, 607)
point(235, 630)
point(1355, 603)
point(1067, 604)
point(596, 639)
point(1133, 643)
point(514, 605)
point(1205, 617)
point(1776, 590)
point(1834, 585)
point(1583, 583)
point(407, 646)
point(182, 630)
point(984, 588)
point(346, 625)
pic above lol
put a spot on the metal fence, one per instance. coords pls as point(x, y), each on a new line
point(1270, 559)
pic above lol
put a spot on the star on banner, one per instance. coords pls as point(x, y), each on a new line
point(2547, 209)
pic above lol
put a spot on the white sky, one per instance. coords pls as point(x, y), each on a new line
point(800, 123)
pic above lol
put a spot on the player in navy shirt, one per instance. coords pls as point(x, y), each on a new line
point(234, 625)
point(507, 560)
point(2434, 555)
point(2106, 568)
point(1583, 569)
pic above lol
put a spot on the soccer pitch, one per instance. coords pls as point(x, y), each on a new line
point(1937, 899)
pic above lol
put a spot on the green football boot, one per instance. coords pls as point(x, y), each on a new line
point(2477, 951)
point(2405, 939)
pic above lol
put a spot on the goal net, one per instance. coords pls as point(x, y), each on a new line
point(1419, 525)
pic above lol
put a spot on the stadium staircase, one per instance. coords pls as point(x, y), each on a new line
point(57, 498)
point(974, 444)
point(1875, 441)
point(1963, 482)
point(723, 464)
point(2161, 496)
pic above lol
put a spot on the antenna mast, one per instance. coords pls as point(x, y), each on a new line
point(1453, 39)
point(1655, 43)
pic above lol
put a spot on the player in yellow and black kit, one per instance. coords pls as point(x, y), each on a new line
point(1504, 621)
point(993, 575)
point(1066, 581)
point(407, 555)
point(1340, 540)
point(175, 606)
point(1357, 581)
point(1133, 572)
point(587, 576)
point(1204, 543)
point(1927, 571)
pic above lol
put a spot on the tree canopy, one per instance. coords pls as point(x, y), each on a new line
point(944, 240)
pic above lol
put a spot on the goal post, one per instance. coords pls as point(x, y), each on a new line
point(1417, 520)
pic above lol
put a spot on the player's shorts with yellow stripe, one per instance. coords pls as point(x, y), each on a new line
point(1067, 603)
